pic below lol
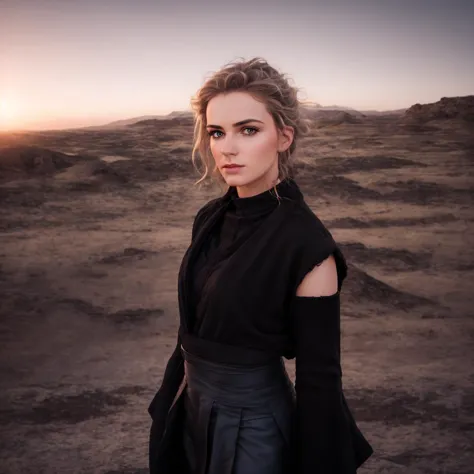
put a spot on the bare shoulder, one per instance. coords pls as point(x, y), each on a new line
point(321, 280)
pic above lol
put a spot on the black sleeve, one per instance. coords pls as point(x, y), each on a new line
point(328, 440)
point(174, 373)
point(161, 403)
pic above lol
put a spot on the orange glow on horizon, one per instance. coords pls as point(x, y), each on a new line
point(9, 113)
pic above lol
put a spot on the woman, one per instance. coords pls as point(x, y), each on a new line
point(260, 281)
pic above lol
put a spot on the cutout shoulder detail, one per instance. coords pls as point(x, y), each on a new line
point(320, 297)
point(321, 280)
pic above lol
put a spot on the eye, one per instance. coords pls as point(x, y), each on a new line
point(255, 130)
point(211, 133)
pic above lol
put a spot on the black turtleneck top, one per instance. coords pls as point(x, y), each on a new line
point(248, 256)
point(240, 220)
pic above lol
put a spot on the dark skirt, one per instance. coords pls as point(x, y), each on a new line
point(237, 420)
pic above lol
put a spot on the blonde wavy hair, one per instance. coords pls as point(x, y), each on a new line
point(265, 84)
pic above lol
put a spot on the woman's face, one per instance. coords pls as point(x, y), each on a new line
point(254, 145)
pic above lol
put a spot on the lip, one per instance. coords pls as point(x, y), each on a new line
point(232, 166)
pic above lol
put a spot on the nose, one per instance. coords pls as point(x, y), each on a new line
point(228, 146)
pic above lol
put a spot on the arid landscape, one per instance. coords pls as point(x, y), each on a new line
point(94, 223)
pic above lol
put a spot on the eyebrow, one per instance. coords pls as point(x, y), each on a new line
point(237, 124)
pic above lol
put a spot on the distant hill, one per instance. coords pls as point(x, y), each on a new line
point(146, 118)
point(329, 118)
point(314, 107)
point(384, 112)
point(325, 115)
point(131, 121)
point(446, 108)
point(177, 119)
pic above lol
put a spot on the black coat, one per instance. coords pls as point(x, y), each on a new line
point(295, 241)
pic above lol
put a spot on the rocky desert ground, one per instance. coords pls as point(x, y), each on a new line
point(93, 225)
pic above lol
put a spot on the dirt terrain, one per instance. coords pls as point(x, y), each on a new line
point(94, 223)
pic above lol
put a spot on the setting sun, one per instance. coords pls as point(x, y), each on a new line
point(7, 110)
point(9, 113)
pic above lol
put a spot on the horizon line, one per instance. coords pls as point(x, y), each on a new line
point(35, 126)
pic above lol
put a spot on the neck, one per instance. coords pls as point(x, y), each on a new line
point(256, 187)
point(286, 189)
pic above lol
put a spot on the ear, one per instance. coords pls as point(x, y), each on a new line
point(285, 138)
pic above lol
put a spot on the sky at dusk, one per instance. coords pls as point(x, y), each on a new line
point(86, 62)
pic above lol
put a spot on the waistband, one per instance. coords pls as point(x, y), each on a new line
point(226, 353)
point(249, 386)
